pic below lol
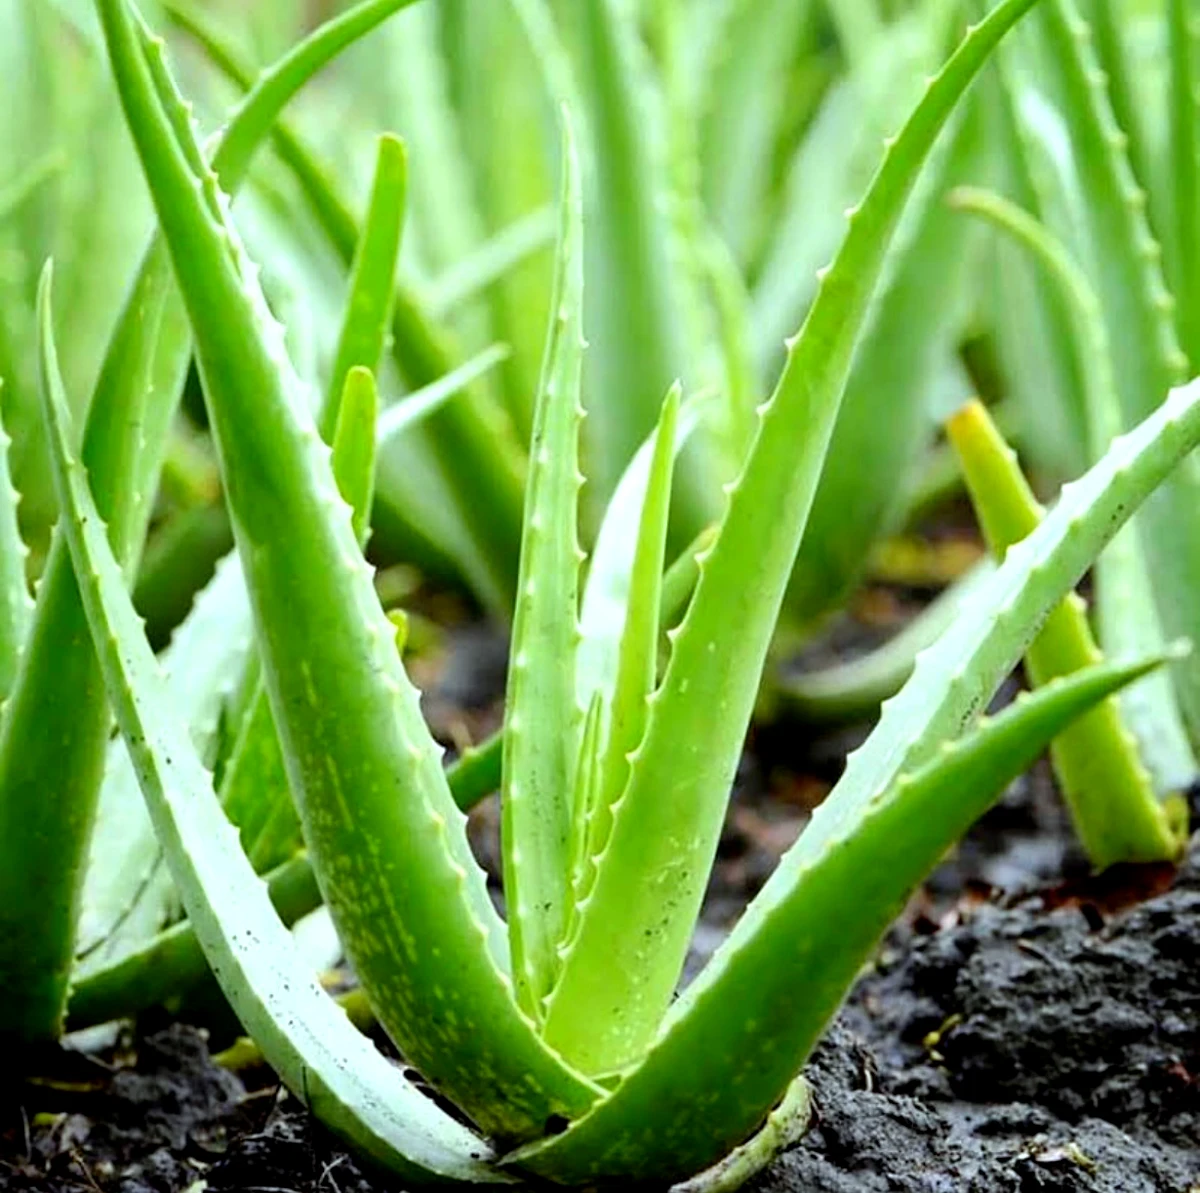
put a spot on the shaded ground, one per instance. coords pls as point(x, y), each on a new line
point(1012, 1035)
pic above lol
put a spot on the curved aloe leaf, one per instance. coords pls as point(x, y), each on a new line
point(619, 974)
point(739, 1033)
point(326, 1063)
point(347, 714)
point(1097, 762)
point(855, 689)
point(610, 567)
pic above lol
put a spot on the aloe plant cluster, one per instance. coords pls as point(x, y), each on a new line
point(280, 737)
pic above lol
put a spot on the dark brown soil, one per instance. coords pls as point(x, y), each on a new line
point(1014, 1035)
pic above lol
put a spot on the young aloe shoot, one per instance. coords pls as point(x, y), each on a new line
point(1110, 794)
point(555, 1033)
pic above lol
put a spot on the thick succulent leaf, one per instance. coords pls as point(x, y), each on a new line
point(1096, 759)
point(543, 717)
point(618, 977)
point(354, 439)
point(348, 716)
point(803, 933)
point(323, 1059)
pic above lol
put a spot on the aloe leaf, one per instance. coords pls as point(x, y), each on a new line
point(254, 792)
point(610, 568)
point(543, 718)
point(325, 1062)
point(636, 674)
point(618, 977)
point(1096, 759)
point(347, 714)
point(803, 933)
point(1126, 615)
point(354, 445)
point(372, 279)
point(855, 689)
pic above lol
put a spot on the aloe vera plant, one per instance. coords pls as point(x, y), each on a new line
point(555, 1033)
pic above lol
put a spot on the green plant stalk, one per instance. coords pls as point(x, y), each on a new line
point(543, 718)
point(1112, 801)
point(619, 974)
point(317, 615)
